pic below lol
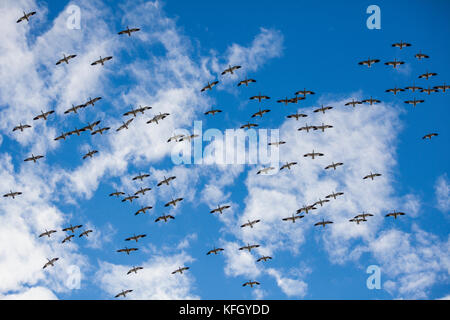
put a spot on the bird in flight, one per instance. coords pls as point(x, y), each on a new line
point(44, 115)
point(141, 176)
point(72, 228)
point(286, 101)
point(421, 56)
point(12, 194)
point(246, 82)
point(296, 99)
point(175, 138)
point(249, 125)
point(427, 75)
point(134, 269)
point(323, 127)
point(158, 117)
point(92, 101)
point(85, 233)
point(394, 63)
point(188, 138)
point(142, 191)
point(62, 136)
point(276, 143)
point(74, 108)
point(47, 233)
point(123, 293)
point(260, 113)
point(50, 262)
point(130, 198)
point(90, 154)
point(288, 165)
point(304, 92)
point(322, 223)
point(230, 69)
point(213, 111)
point(220, 209)
point(249, 247)
point(413, 88)
point(173, 202)
point(68, 238)
point(259, 97)
point(334, 195)
point(429, 136)
point(323, 109)
point(306, 208)
point(117, 193)
point(443, 87)
point(353, 103)
point(371, 101)
point(215, 251)
point(414, 102)
point(321, 202)
point(264, 258)
point(100, 130)
point(127, 250)
point(372, 176)
point(363, 215)
point(293, 218)
point(395, 90)
point(21, 127)
point(251, 283)
point(265, 170)
point(142, 210)
point(307, 128)
point(313, 154)
point(209, 86)
point(395, 214)
point(136, 237)
point(296, 116)
point(125, 124)
point(357, 220)
point(401, 45)
point(134, 112)
point(250, 223)
point(369, 62)
point(166, 180)
point(101, 61)
point(165, 218)
point(76, 131)
point(66, 59)
point(26, 16)
point(429, 90)
point(180, 270)
point(129, 31)
point(334, 165)
point(33, 158)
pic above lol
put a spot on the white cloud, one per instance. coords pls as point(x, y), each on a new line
point(442, 191)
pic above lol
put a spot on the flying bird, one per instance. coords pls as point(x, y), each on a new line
point(143, 210)
point(213, 111)
point(322, 223)
point(74, 108)
point(230, 69)
point(47, 233)
point(44, 115)
point(117, 193)
point(251, 283)
point(264, 258)
point(127, 250)
point(304, 92)
point(123, 293)
point(394, 63)
point(421, 56)
point(26, 16)
point(363, 215)
point(166, 180)
point(90, 154)
point(72, 228)
point(323, 127)
point(313, 154)
point(246, 82)
point(66, 59)
point(50, 262)
point(357, 220)
point(135, 270)
point(260, 113)
point(395, 90)
point(296, 116)
point(249, 247)
point(293, 218)
point(372, 176)
point(21, 127)
point(401, 45)
point(306, 208)
point(427, 75)
point(130, 198)
point(413, 88)
point(395, 214)
point(173, 202)
point(250, 223)
point(180, 270)
point(85, 233)
point(62, 136)
point(129, 31)
point(142, 191)
point(307, 128)
point(249, 125)
point(429, 90)
point(12, 194)
point(158, 117)
point(288, 165)
point(209, 86)
point(353, 103)
point(215, 251)
point(371, 101)
point(101, 61)
point(265, 170)
point(321, 202)
point(323, 109)
point(188, 138)
point(141, 176)
point(68, 238)
point(429, 136)
point(369, 62)
point(125, 124)
point(100, 130)
point(220, 209)
point(334, 195)
point(175, 138)
point(259, 97)
point(136, 237)
point(276, 143)
point(92, 101)
point(165, 218)
point(334, 165)
point(33, 158)
point(414, 102)
point(443, 87)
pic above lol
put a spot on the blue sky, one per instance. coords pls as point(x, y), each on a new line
point(286, 46)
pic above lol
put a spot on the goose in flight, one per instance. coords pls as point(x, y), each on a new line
point(413, 88)
point(50, 262)
point(100, 130)
point(128, 31)
point(401, 45)
point(259, 97)
point(215, 251)
point(250, 223)
point(76, 131)
point(158, 117)
point(363, 215)
point(372, 176)
point(251, 283)
point(209, 86)
point(165, 218)
point(125, 124)
point(306, 208)
point(142, 191)
point(334, 165)
point(443, 87)
point(288, 165)
point(127, 250)
point(264, 258)
point(394, 63)
point(322, 223)
point(90, 154)
point(429, 90)
point(296, 99)
point(296, 116)
point(134, 112)
point(12, 194)
point(47, 233)
point(21, 127)
point(68, 238)
point(123, 293)
point(395, 214)
point(44, 115)
point(220, 209)
point(334, 195)
point(248, 125)
point(286, 101)
point(421, 56)
point(72, 228)
point(265, 170)
point(260, 113)
point(321, 202)
point(26, 16)
point(136, 237)
point(74, 108)
point(188, 138)
point(230, 69)
point(313, 154)
point(62, 136)
point(101, 61)
point(371, 101)
point(117, 193)
point(307, 128)
point(293, 218)
point(175, 138)
point(85, 233)
point(249, 247)
point(414, 102)
point(173, 202)
point(180, 270)
point(276, 143)
point(353, 103)
point(304, 92)
point(213, 111)
point(427, 75)
point(130, 198)
point(357, 220)
point(142, 210)
point(92, 101)
point(33, 158)
point(246, 82)
point(323, 109)
point(66, 59)
point(134, 269)
point(395, 90)
point(369, 62)
point(429, 136)
point(166, 180)
point(323, 127)
point(141, 176)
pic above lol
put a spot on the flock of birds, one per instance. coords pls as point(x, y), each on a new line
point(299, 96)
